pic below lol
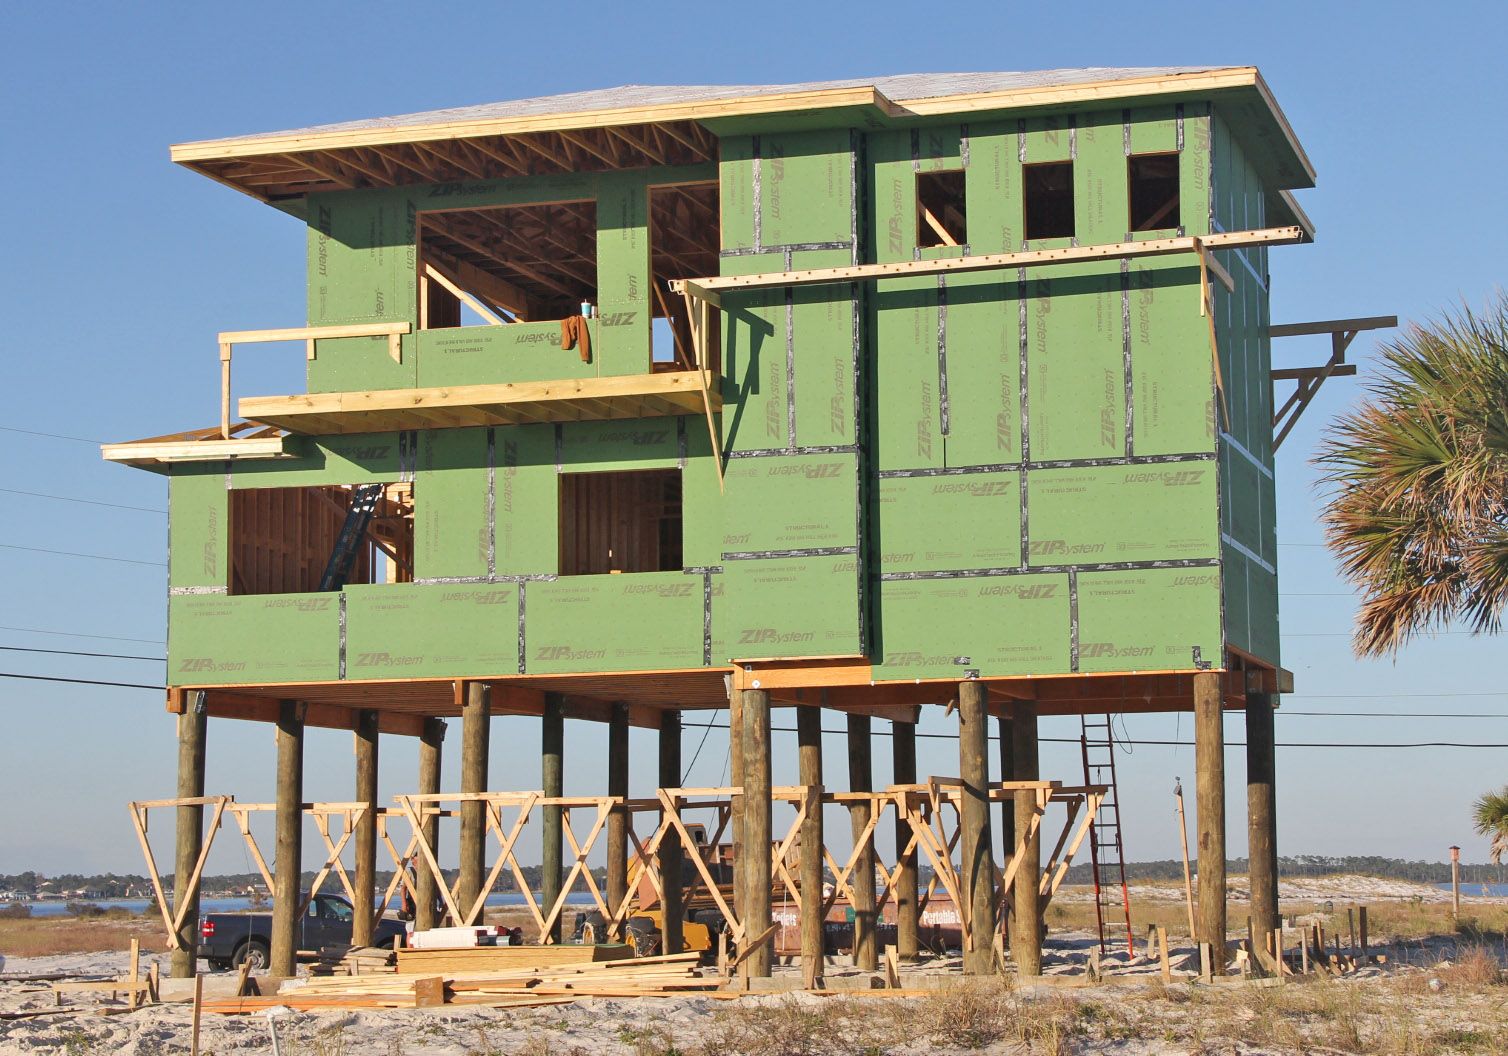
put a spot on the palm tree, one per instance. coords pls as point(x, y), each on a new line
point(1490, 813)
point(1418, 478)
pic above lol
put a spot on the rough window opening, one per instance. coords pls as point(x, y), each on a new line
point(283, 540)
point(684, 237)
point(941, 216)
point(620, 522)
point(1152, 180)
point(1047, 194)
point(517, 263)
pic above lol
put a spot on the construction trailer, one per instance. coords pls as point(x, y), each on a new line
point(861, 396)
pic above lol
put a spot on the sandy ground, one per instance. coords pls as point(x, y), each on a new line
point(1365, 1012)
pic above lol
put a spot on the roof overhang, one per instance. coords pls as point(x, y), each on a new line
point(289, 165)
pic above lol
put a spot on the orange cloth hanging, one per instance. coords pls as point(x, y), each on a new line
point(574, 331)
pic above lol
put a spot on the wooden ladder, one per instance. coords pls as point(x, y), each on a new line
point(1106, 851)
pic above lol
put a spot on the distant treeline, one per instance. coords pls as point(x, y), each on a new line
point(132, 885)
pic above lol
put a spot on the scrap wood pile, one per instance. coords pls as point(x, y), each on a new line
point(513, 986)
point(358, 960)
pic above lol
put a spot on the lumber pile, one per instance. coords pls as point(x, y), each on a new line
point(520, 985)
point(488, 958)
point(353, 960)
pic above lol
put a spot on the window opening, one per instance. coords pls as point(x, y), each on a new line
point(516, 263)
point(620, 522)
point(684, 238)
point(1047, 194)
point(1152, 182)
point(941, 217)
point(282, 539)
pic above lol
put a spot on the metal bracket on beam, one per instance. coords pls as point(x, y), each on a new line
point(1309, 379)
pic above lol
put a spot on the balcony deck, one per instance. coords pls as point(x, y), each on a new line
point(514, 403)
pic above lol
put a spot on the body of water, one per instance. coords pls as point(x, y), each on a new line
point(1481, 890)
point(52, 908)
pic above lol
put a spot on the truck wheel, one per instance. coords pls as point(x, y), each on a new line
point(253, 952)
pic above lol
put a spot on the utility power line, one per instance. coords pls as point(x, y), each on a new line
point(79, 681)
point(91, 502)
point(54, 436)
point(72, 652)
point(79, 634)
point(74, 553)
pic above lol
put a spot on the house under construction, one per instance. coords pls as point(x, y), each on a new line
point(864, 396)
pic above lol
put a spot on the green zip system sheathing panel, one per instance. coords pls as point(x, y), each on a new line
point(1148, 619)
point(452, 514)
point(1247, 501)
point(527, 498)
point(198, 518)
point(215, 639)
point(993, 625)
point(450, 630)
point(358, 458)
point(642, 622)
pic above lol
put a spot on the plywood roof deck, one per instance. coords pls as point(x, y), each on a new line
point(638, 125)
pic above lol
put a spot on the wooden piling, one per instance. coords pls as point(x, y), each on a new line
point(364, 909)
point(907, 907)
point(617, 823)
point(861, 779)
point(813, 942)
point(671, 853)
point(977, 876)
point(736, 802)
point(427, 894)
point(552, 781)
point(287, 891)
point(1026, 934)
point(1007, 755)
point(756, 810)
point(1261, 807)
point(476, 723)
point(192, 728)
point(1209, 807)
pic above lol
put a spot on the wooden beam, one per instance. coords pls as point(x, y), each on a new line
point(990, 261)
point(1333, 326)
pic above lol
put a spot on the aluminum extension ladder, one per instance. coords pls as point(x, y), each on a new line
point(1106, 851)
point(364, 499)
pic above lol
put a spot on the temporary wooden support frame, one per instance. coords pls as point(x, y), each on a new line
point(174, 919)
point(350, 815)
point(1309, 379)
point(228, 339)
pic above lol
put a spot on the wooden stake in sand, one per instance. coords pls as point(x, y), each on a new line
point(198, 1010)
point(1183, 835)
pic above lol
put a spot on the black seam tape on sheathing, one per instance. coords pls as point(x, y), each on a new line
point(1021, 139)
point(790, 359)
point(1178, 124)
point(1104, 566)
point(559, 448)
point(788, 247)
point(963, 145)
point(1073, 619)
point(341, 606)
point(755, 176)
point(816, 551)
point(1126, 350)
point(916, 150)
point(703, 570)
point(942, 353)
point(180, 591)
point(1126, 132)
point(680, 441)
point(491, 503)
point(855, 141)
point(523, 665)
point(707, 619)
point(1073, 137)
point(787, 452)
point(538, 577)
point(1023, 337)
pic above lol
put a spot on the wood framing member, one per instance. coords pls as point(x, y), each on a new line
point(365, 911)
point(192, 730)
point(866, 954)
point(907, 912)
point(1026, 868)
point(152, 454)
point(552, 781)
point(1261, 807)
point(617, 823)
point(756, 886)
point(426, 894)
point(1309, 379)
point(707, 289)
point(476, 726)
point(667, 393)
point(809, 891)
point(309, 335)
point(1209, 760)
point(671, 852)
point(286, 912)
point(185, 883)
point(977, 873)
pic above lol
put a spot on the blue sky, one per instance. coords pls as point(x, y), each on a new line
point(119, 268)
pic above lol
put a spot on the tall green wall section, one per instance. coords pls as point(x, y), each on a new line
point(1023, 472)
